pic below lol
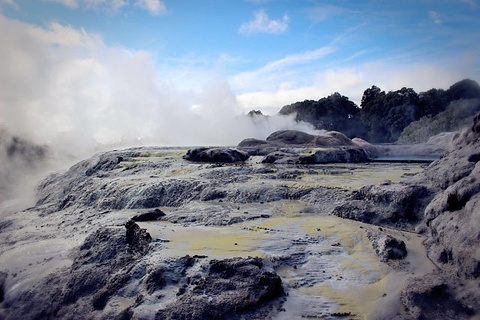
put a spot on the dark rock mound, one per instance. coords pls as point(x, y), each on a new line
point(3, 278)
point(101, 266)
point(280, 157)
point(149, 216)
point(336, 155)
point(283, 147)
point(251, 142)
point(226, 155)
point(291, 137)
point(390, 248)
point(231, 288)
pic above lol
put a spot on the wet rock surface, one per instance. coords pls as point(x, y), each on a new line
point(434, 297)
point(391, 204)
point(224, 155)
point(444, 203)
point(82, 250)
point(285, 146)
point(229, 289)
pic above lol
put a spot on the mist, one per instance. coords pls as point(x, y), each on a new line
point(67, 90)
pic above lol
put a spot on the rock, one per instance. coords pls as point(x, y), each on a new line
point(225, 155)
point(229, 289)
point(291, 137)
point(251, 142)
point(149, 216)
point(431, 297)
point(3, 278)
point(476, 124)
point(371, 150)
point(390, 248)
point(106, 162)
point(280, 158)
point(137, 238)
point(335, 155)
point(299, 138)
point(386, 204)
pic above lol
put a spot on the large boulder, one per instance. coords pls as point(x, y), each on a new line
point(291, 137)
point(389, 248)
point(231, 287)
point(226, 155)
point(388, 203)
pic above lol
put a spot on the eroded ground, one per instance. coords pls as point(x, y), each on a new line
point(280, 213)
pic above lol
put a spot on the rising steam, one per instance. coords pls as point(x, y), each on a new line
point(66, 89)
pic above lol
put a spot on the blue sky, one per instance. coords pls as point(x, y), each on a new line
point(262, 53)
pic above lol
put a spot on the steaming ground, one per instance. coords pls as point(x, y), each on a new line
point(67, 89)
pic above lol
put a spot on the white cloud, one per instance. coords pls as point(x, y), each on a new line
point(10, 3)
point(66, 3)
point(282, 68)
point(261, 23)
point(323, 12)
point(155, 7)
point(351, 82)
point(66, 88)
point(435, 17)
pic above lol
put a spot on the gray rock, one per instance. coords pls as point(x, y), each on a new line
point(280, 157)
point(225, 155)
point(291, 137)
point(390, 248)
point(3, 278)
point(149, 216)
point(231, 288)
point(336, 155)
point(432, 297)
point(386, 204)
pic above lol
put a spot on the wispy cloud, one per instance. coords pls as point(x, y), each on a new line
point(10, 3)
point(261, 23)
point(435, 17)
point(471, 3)
point(284, 68)
point(155, 7)
point(298, 58)
point(324, 12)
point(356, 55)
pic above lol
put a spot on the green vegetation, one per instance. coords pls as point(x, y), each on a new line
point(383, 116)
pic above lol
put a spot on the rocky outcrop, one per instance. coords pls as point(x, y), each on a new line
point(443, 202)
point(284, 138)
point(335, 155)
point(149, 215)
point(389, 248)
point(225, 155)
point(434, 297)
point(288, 147)
point(102, 265)
point(390, 204)
point(230, 288)
point(3, 278)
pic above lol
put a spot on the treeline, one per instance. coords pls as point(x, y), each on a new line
point(383, 116)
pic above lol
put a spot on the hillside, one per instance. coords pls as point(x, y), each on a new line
point(382, 116)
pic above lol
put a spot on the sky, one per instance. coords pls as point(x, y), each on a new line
point(113, 70)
